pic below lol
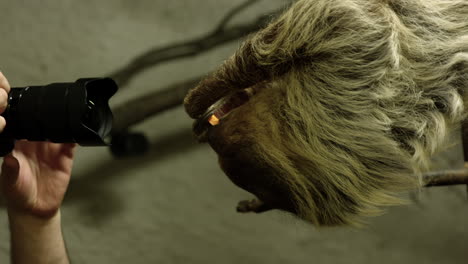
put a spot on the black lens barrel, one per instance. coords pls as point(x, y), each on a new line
point(61, 112)
point(39, 113)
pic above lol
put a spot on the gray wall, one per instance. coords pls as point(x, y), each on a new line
point(175, 205)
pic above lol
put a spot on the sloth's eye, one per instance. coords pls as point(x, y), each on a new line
point(220, 109)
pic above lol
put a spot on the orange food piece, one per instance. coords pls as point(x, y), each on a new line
point(213, 120)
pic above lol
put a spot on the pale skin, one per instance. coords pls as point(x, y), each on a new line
point(33, 181)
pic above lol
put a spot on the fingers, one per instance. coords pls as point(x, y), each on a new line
point(4, 83)
point(68, 149)
point(3, 100)
point(3, 106)
point(2, 123)
point(10, 170)
point(4, 90)
point(254, 205)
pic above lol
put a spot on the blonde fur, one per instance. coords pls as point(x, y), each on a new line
point(353, 98)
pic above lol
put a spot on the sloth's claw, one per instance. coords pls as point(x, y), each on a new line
point(254, 205)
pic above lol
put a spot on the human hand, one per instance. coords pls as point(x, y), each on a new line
point(4, 90)
point(35, 175)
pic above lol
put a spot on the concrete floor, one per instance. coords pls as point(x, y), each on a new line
point(174, 205)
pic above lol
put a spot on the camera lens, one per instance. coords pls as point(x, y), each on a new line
point(93, 117)
point(61, 112)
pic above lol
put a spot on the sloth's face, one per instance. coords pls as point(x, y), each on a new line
point(236, 127)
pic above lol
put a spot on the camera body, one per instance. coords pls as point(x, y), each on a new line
point(76, 112)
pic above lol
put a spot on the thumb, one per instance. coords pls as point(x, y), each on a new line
point(10, 170)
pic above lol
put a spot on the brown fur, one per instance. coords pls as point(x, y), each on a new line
point(352, 99)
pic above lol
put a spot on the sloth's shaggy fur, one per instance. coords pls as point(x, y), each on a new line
point(352, 99)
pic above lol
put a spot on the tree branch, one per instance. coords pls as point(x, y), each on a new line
point(447, 177)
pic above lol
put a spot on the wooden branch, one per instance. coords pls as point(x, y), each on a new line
point(444, 178)
point(193, 47)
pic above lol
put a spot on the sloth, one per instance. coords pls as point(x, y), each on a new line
point(334, 109)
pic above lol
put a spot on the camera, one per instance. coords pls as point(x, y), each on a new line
point(76, 112)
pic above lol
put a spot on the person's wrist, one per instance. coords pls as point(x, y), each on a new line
point(16, 215)
point(24, 208)
point(36, 239)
